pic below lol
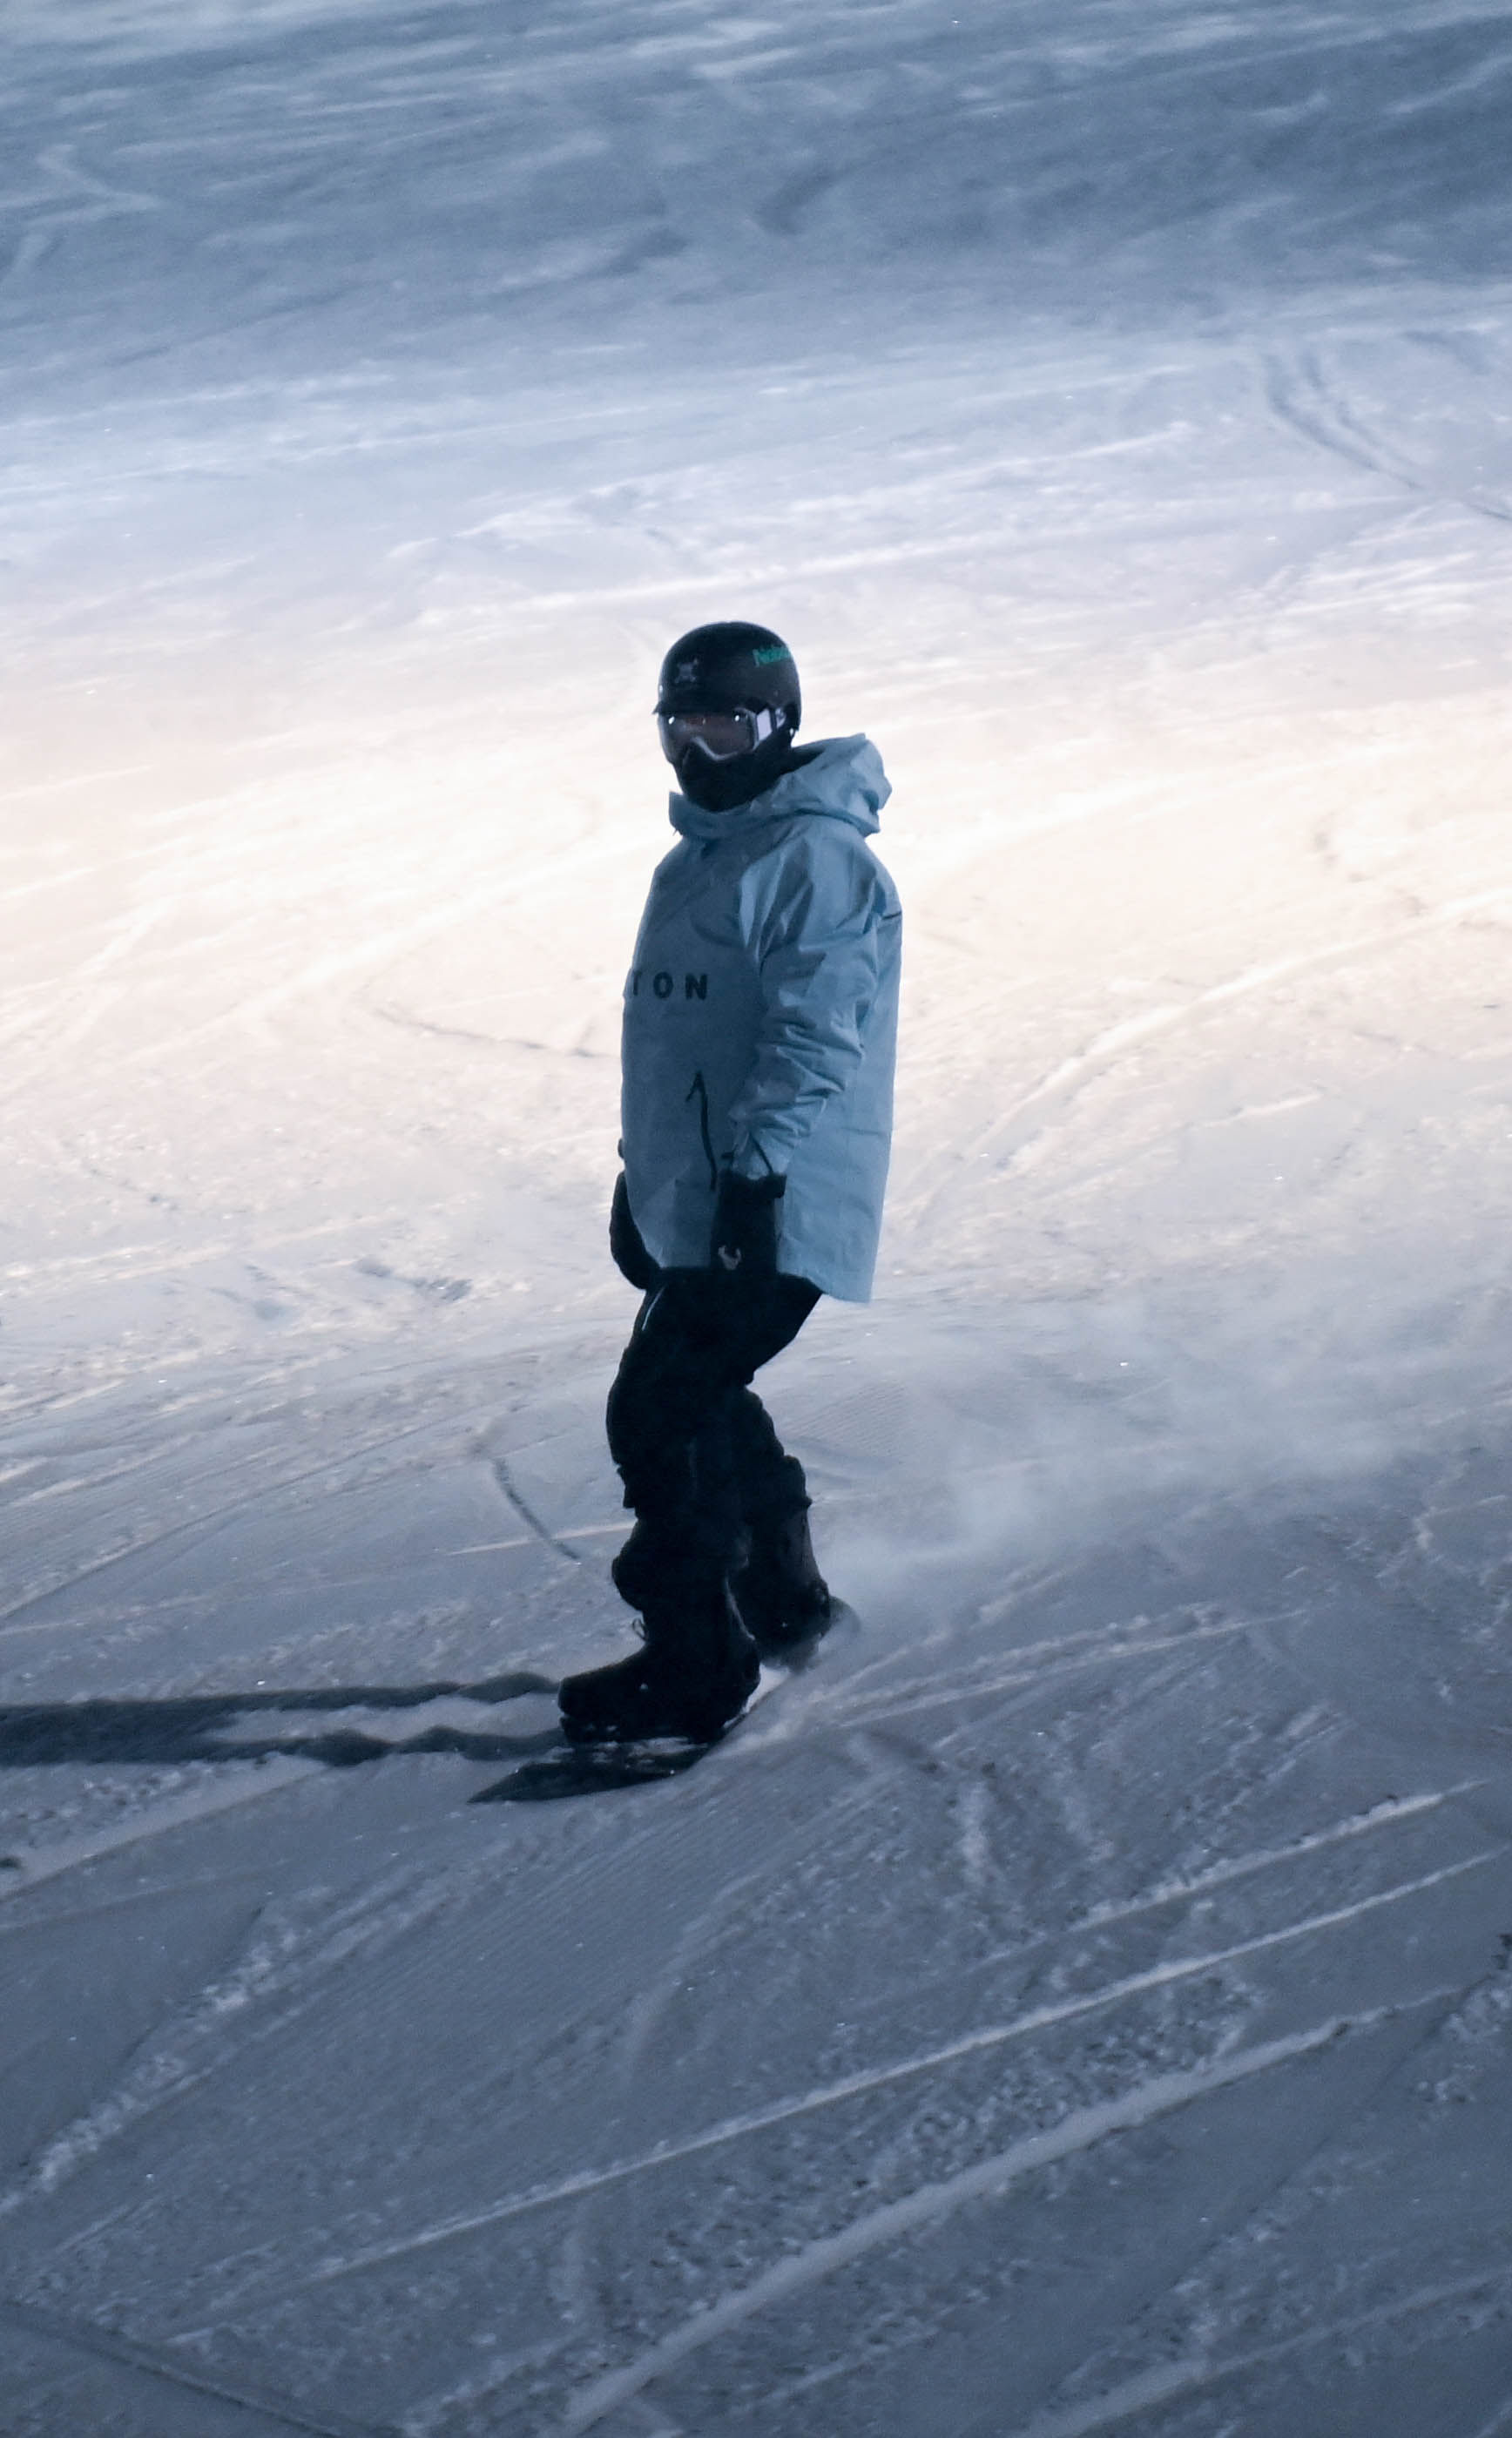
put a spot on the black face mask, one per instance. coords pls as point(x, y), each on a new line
point(724, 787)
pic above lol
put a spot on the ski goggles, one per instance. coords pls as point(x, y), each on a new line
point(721, 735)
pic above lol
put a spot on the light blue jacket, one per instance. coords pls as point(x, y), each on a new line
point(761, 1018)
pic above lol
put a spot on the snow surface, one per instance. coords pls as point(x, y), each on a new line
point(1082, 2001)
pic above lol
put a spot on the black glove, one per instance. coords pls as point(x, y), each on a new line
point(626, 1241)
point(746, 1224)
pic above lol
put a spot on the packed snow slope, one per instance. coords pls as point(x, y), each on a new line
point(1081, 2001)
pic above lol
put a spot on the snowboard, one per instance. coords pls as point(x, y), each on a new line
point(608, 1768)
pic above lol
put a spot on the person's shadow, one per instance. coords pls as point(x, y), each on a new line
point(223, 1726)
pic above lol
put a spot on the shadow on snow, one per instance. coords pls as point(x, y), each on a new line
point(218, 1726)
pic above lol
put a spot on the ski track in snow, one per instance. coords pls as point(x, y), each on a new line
point(1081, 2001)
point(1181, 2379)
point(159, 1820)
point(1004, 1135)
point(201, 1527)
point(986, 2181)
point(855, 2086)
point(167, 2379)
point(906, 2068)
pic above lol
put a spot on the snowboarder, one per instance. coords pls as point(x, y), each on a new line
point(760, 1022)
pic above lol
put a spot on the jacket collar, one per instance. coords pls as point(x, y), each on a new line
point(842, 780)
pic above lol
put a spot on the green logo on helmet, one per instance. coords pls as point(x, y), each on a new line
point(766, 653)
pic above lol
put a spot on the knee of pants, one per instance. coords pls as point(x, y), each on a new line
point(770, 1495)
point(662, 1405)
point(647, 1433)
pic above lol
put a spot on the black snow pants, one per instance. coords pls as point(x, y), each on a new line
point(702, 1466)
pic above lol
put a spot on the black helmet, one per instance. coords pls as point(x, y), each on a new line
point(728, 705)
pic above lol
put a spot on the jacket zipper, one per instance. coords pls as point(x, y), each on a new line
point(699, 1090)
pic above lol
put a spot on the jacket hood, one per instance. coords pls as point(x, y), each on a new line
point(843, 779)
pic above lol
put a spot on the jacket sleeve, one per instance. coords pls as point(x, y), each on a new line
point(819, 951)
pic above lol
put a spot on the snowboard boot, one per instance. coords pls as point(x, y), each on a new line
point(692, 1676)
point(783, 1600)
